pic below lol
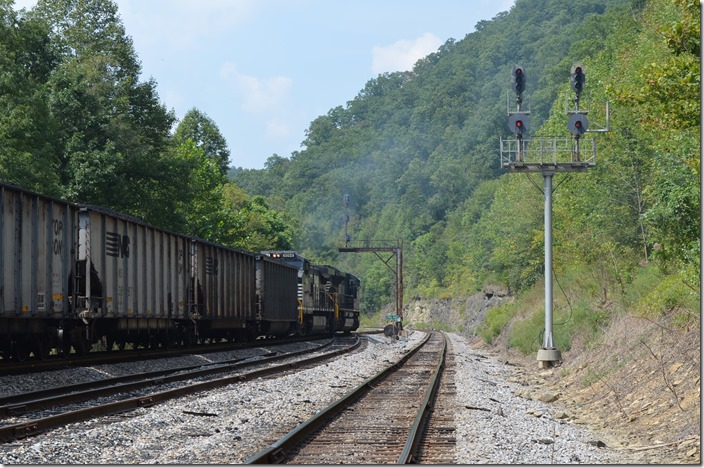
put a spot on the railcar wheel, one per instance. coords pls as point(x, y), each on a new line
point(21, 351)
point(109, 343)
point(81, 346)
point(41, 348)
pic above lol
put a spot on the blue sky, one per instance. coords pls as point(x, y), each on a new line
point(264, 69)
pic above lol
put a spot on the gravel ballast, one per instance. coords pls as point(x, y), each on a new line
point(495, 423)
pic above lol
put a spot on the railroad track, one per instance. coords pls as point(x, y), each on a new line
point(438, 442)
point(17, 404)
point(384, 420)
point(55, 362)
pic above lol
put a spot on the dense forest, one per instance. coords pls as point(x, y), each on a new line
point(417, 152)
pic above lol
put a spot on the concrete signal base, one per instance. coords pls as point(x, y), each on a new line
point(549, 357)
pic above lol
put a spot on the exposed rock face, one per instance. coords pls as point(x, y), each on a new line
point(461, 314)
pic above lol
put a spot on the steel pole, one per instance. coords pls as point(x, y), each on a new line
point(548, 355)
point(399, 281)
point(548, 339)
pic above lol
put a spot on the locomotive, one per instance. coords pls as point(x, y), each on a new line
point(74, 275)
point(328, 298)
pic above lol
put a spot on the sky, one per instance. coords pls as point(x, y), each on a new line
point(263, 70)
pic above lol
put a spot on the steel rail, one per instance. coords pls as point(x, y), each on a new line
point(16, 431)
point(24, 402)
point(277, 452)
point(9, 367)
point(424, 412)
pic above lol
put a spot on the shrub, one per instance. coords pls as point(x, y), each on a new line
point(496, 320)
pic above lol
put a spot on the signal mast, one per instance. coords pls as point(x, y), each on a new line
point(548, 156)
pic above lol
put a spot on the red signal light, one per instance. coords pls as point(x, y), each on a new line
point(519, 123)
point(578, 124)
point(518, 79)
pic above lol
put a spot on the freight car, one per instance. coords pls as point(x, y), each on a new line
point(37, 236)
point(328, 298)
point(74, 275)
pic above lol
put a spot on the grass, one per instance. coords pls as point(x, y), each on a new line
point(496, 319)
point(585, 303)
point(580, 307)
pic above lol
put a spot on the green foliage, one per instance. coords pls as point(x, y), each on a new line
point(77, 123)
point(414, 149)
point(377, 290)
point(671, 295)
point(496, 319)
point(579, 314)
point(200, 198)
point(371, 321)
point(641, 204)
point(27, 155)
point(109, 130)
point(527, 335)
point(253, 226)
point(669, 89)
point(204, 132)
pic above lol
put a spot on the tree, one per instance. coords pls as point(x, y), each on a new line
point(111, 129)
point(200, 192)
point(27, 153)
point(90, 28)
point(205, 134)
point(252, 225)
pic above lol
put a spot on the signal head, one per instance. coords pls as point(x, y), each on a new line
point(577, 78)
point(578, 124)
point(519, 123)
point(518, 79)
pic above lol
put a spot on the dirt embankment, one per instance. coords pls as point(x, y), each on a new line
point(639, 389)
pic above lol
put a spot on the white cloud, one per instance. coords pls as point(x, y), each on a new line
point(278, 129)
point(260, 95)
point(403, 54)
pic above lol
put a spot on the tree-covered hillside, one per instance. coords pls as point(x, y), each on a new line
point(418, 153)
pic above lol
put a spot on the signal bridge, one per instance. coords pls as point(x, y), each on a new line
point(395, 250)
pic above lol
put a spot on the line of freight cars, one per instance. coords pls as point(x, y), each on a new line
point(75, 275)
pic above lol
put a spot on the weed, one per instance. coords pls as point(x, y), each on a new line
point(496, 320)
